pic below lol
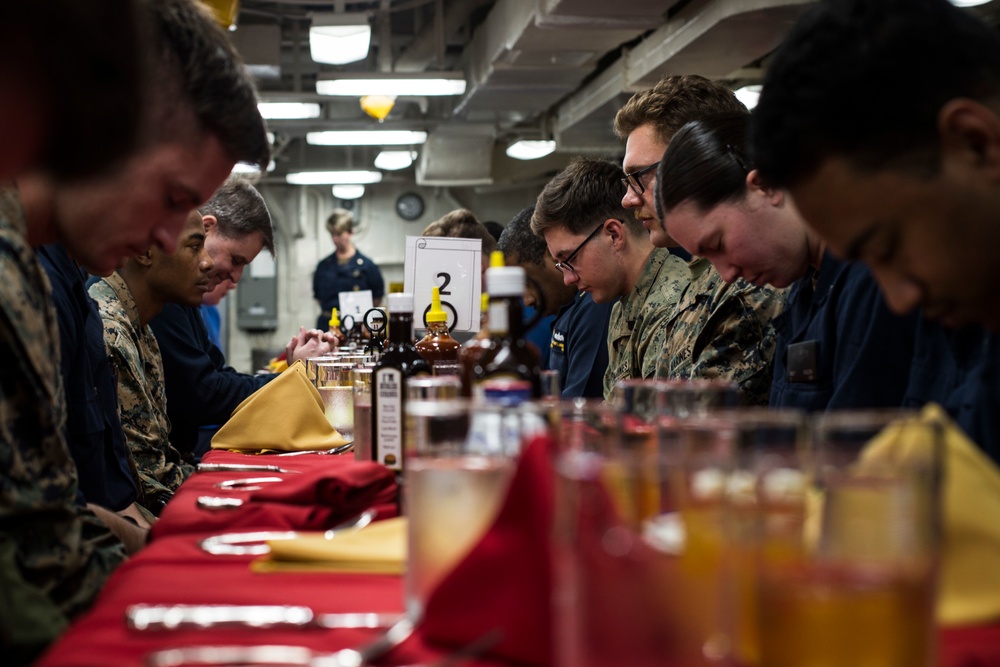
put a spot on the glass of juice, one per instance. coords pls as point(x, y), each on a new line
point(722, 459)
point(615, 558)
point(862, 589)
point(454, 489)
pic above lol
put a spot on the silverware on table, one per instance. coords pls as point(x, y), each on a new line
point(284, 655)
point(255, 543)
point(218, 503)
point(340, 449)
point(248, 484)
point(241, 467)
point(145, 617)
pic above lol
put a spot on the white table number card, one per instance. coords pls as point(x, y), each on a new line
point(355, 304)
point(455, 267)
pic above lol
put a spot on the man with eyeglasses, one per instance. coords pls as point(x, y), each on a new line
point(578, 348)
point(719, 330)
point(603, 250)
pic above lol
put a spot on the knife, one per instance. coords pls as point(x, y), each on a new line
point(284, 655)
point(240, 467)
point(145, 617)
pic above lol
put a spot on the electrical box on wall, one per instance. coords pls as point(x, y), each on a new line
point(257, 296)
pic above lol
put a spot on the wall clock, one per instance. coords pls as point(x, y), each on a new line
point(410, 206)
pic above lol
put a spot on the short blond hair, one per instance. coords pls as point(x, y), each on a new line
point(673, 102)
point(340, 221)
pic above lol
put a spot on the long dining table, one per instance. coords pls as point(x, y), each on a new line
point(173, 569)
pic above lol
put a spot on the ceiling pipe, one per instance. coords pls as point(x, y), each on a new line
point(426, 43)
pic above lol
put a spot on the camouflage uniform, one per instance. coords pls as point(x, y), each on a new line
point(638, 321)
point(724, 330)
point(55, 555)
point(142, 399)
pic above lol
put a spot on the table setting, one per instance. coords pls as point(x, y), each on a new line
point(586, 557)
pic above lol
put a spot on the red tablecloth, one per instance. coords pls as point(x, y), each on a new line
point(174, 570)
point(182, 515)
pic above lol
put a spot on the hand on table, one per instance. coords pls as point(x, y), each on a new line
point(309, 343)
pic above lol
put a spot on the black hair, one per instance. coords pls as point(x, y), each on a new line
point(705, 163)
point(865, 80)
point(518, 243)
point(494, 228)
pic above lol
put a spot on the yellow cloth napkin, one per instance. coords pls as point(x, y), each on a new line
point(970, 564)
point(379, 548)
point(286, 414)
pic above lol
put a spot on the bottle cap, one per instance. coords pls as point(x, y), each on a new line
point(496, 259)
point(401, 302)
point(334, 319)
point(435, 314)
point(505, 281)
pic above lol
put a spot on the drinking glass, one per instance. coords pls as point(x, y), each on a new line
point(454, 486)
point(861, 589)
point(362, 387)
point(551, 384)
point(335, 385)
point(312, 362)
point(735, 470)
point(615, 566)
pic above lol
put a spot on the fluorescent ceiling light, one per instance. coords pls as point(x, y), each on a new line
point(749, 95)
point(968, 3)
point(365, 138)
point(333, 177)
point(418, 83)
point(288, 110)
point(348, 191)
point(393, 160)
point(245, 168)
point(338, 39)
point(530, 150)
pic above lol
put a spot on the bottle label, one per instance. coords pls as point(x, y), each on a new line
point(499, 317)
point(505, 391)
point(388, 399)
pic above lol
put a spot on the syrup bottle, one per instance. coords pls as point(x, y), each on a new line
point(437, 347)
point(508, 371)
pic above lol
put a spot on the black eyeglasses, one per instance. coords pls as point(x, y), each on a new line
point(564, 265)
point(633, 180)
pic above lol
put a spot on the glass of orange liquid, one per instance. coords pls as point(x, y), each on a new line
point(861, 590)
point(738, 469)
point(615, 567)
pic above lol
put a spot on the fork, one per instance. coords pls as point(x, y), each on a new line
point(340, 449)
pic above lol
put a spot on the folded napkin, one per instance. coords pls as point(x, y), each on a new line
point(287, 413)
point(505, 581)
point(379, 548)
point(353, 484)
point(970, 564)
point(335, 490)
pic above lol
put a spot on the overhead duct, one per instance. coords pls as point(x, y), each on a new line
point(529, 54)
point(713, 38)
point(457, 155)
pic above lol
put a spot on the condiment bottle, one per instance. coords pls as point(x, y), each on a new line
point(399, 361)
point(437, 347)
point(472, 349)
point(334, 327)
point(508, 370)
